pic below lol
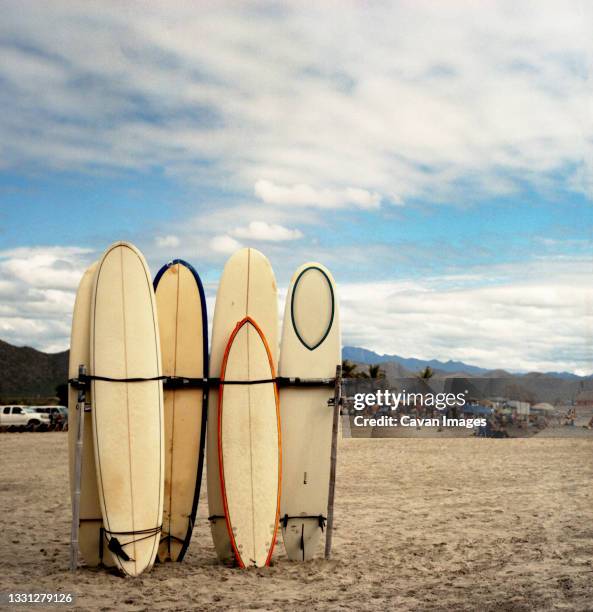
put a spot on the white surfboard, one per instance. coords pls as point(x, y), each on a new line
point(181, 307)
point(127, 417)
point(91, 521)
point(243, 428)
point(310, 349)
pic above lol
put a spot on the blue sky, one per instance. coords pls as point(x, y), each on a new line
point(437, 159)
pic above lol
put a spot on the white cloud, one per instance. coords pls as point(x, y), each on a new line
point(366, 111)
point(224, 244)
point(37, 290)
point(260, 230)
point(55, 267)
point(164, 242)
point(305, 195)
point(532, 317)
point(198, 231)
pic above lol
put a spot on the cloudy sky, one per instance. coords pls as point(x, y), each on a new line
point(437, 157)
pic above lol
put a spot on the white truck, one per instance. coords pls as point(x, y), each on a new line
point(22, 417)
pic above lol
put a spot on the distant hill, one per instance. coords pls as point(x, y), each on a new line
point(550, 387)
point(362, 355)
point(27, 372)
point(393, 370)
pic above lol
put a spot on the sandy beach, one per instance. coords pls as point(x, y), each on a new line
point(428, 524)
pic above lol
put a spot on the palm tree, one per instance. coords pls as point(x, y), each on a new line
point(376, 371)
point(425, 374)
point(348, 369)
point(424, 377)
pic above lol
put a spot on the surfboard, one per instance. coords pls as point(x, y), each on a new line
point(244, 449)
point(183, 326)
point(127, 416)
point(310, 349)
point(91, 521)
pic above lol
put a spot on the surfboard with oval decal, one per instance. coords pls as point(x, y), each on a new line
point(310, 348)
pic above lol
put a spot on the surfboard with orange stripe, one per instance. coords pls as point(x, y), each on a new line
point(244, 446)
point(249, 445)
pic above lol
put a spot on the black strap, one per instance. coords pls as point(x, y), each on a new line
point(168, 537)
point(90, 377)
point(215, 382)
point(318, 517)
point(215, 517)
point(83, 380)
point(117, 548)
point(186, 382)
point(285, 381)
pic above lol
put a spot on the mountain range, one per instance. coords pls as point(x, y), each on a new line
point(26, 372)
point(412, 364)
point(552, 387)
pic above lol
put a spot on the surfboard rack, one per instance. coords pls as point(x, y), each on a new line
point(335, 402)
point(83, 382)
point(81, 408)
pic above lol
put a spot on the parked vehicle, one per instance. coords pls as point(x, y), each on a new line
point(22, 417)
point(58, 415)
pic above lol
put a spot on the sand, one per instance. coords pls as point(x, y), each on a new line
point(427, 524)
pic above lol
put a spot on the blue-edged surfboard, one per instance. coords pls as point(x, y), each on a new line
point(183, 325)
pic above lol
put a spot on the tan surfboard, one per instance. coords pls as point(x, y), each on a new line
point(127, 416)
point(183, 326)
point(91, 521)
point(311, 348)
point(243, 428)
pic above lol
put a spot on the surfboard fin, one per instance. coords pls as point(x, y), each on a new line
point(303, 540)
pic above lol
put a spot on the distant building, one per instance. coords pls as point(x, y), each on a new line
point(585, 399)
point(543, 408)
point(518, 407)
